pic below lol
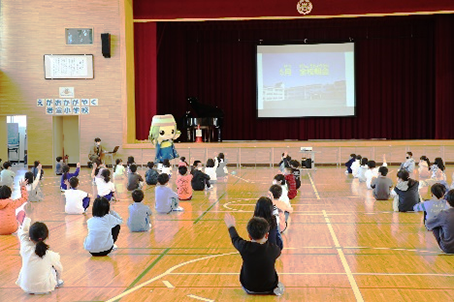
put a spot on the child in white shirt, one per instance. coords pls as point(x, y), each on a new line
point(77, 201)
point(41, 268)
point(119, 170)
point(210, 170)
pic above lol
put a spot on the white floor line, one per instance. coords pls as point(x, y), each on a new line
point(200, 298)
point(168, 284)
point(166, 273)
point(344, 262)
point(313, 186)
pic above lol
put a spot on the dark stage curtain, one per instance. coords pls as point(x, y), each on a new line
point(145, 49)
point(403, 75)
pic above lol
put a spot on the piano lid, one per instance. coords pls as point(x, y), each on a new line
point(204, 110)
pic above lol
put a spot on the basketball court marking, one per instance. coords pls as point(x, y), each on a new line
point(168, 284)
point(167, 272)
point(344, 262)
point(200, 298)
point(313, 186)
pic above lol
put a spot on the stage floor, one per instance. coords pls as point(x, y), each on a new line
point(342, 245)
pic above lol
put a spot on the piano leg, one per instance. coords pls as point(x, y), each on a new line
point(189, 130)
point(219, 135)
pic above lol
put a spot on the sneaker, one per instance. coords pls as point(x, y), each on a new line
point(279, 290)
point(209, 188)
point(115, 247)
point(60, 283)
point(179, 209)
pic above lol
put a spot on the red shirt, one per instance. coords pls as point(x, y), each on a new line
point(291, 182)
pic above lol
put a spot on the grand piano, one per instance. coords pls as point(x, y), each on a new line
point(208, 118)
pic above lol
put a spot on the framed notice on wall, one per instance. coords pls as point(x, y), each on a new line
point(68, 67)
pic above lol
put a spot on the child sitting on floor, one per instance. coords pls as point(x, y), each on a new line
point(105, 186)
point(363, 169)
point(406, 192)
point(66, 176)
point(264, 208)
point(435, 205)
point(258, 273)
point(294, 165)
point(166, 199)
point(210, 170)
point(221, 164)
point(151, 176)
point(119, 169)
point(139, 213)
point(103, 229)
point(184, 188)
point(135, 180)
point(9, 220)
point(349, 163)
point(290, 180)
point(382, 185)
point(166, 167)
point(77, 201)
point(281, 209)
point(279, 179)
point(7, 175)
point(355, 165)
point(183, 162)
point(59, 165)
point(41, 268)
point(442, 226)
point(200, 180)
point(33, 188)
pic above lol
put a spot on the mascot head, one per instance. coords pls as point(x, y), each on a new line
point(163, 127)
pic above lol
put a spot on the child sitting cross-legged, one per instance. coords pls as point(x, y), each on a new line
point(166, 199)
point(442, 225)
point(135, 180)
point(382, 185)
point(184, 188)
point(139, 213)
point(77, 201)
point(258, 273)
point(433, 206)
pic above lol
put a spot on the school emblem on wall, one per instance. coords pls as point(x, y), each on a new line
point(304, 7)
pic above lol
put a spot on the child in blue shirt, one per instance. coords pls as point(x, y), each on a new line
point(166, 199)
point(442, 225)
point(433, 206)
point(66, 176)
point(151, 176)
point(139, 213)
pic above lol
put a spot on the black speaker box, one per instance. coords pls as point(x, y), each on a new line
point(105, 39)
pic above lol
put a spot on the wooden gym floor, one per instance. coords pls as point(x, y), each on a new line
point(342, 245)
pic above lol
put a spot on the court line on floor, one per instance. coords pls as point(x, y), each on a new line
point(167, 272)
point(148, 269)
point(200, 298)
point(313, 186)
point(209, 208)
point(344, 262)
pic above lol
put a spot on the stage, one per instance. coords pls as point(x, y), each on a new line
point(328, 152)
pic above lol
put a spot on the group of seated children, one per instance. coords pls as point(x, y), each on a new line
point(438, 211)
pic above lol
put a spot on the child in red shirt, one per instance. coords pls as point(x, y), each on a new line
point(291, 182)
point(184, 188)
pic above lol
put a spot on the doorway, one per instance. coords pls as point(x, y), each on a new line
point(66, 138)
point(14, 130)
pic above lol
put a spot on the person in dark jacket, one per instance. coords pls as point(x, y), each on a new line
point(442, 226)
point(406, 192)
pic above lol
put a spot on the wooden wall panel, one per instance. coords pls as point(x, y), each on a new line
point(30, 29)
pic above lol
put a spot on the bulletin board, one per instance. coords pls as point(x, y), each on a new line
point(66, 67)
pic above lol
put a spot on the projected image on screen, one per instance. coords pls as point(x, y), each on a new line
point(305, 80)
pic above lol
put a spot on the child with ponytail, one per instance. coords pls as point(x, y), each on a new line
point(41, 268)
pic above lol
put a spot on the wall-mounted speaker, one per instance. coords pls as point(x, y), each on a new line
point(105, 39)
